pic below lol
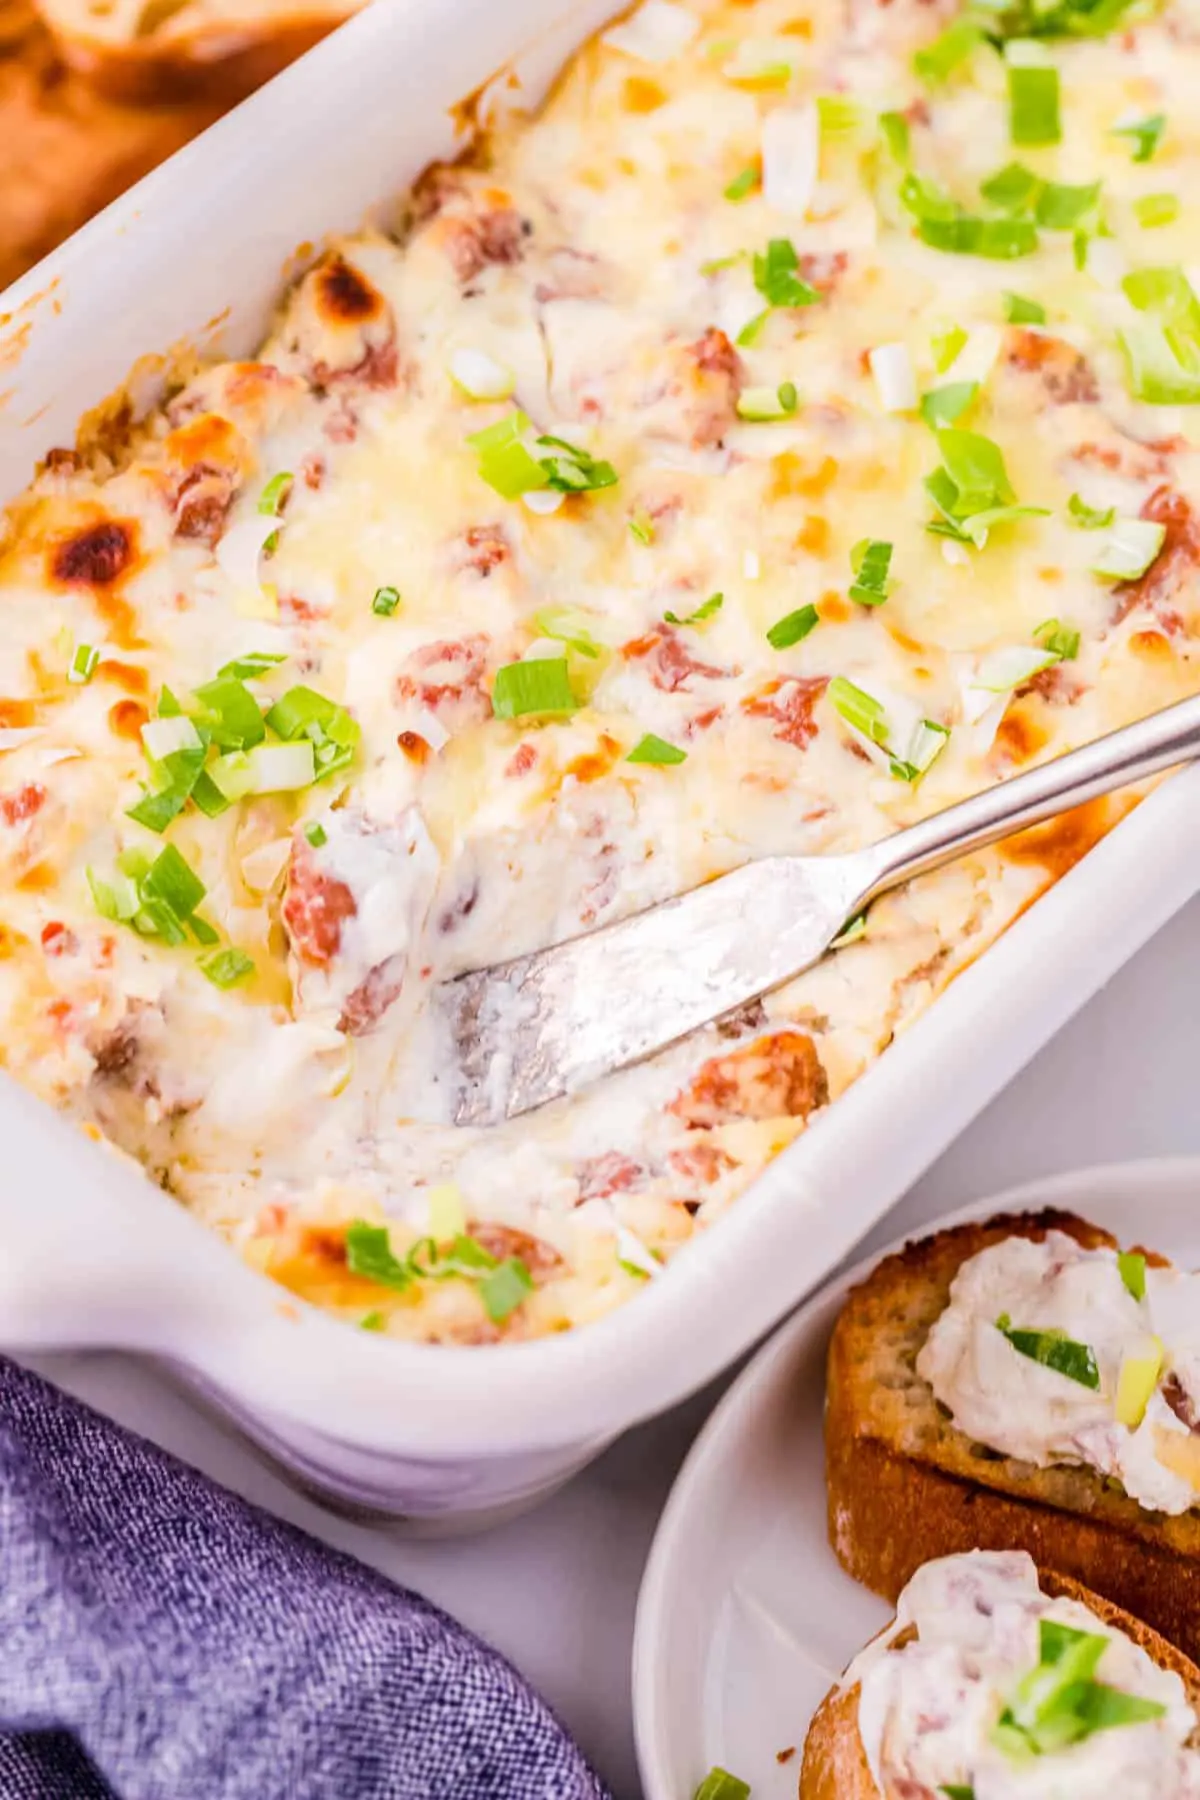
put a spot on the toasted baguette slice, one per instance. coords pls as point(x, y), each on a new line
point(169, 50)
point(835, 1763)
point(905, 1486)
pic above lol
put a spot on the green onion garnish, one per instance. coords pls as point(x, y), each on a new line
point(372, 1321)
point(711, 606)
point(539, 687)
point(1163, 363)
point(1053, 1350)
point(776, 277)
point(972, 491)
point(270, 499)
point(1014, 188)
point(225, 968)
point(303, 713)
point(743, 183)
point(765, 404)
point(792, 628)
point(252, 665)
point(957, 1790)
point(1059, 1702)
point(1090, 518)
point(1061, 208)
point(1020, 311)
point(1129, 549)
point(1132, 1265)
point(945, 346)
point(505, 1289)
point(859, 709)
point(386, 600)
point(230, 714)
point(369, 1254)
point(870, 560)
point(894, 129)
point(719, 1784)
point(316, 834)
point(651, 749)
point(568, 627)
point(83, 665)
point(946, 405)
point(752, 330)
point(1144, 134)
point(1060, 640)
point(642, 527)
point(1033, 107)
point(938, 60)
point(504, 462)
point(1153, 210)
point(943, 225)
point(573, 471)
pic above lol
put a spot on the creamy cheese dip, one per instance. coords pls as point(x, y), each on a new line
point(1009, 1401)
point(699, 274)
point(928, 1708)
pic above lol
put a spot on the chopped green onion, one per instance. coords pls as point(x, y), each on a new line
point(937, 61)
point(946, 346)
point(568, 627)
point(1144, 135)
point(1000, 240)
point(1059, 1702)
point(1033, 100)
point(946, 405)
point(225, 968)
point(1090, 518)
point(1061, 208)
point(925, 200)
point(1020, 311)
point(1129, 549)
point(505, 1289)
point(1014, 188)
point(1053, 1350)
point(116, 899)
point(386, 600)
point(642, 527)
point(870, 559)
point(172, 881)
point(894, 129)
point(230, 713)
point(651, 749)
point(776, 277)
point(793, 627)
point(972, 491)
point(743, 183)
point(711, 606)
point(1058, 640)
point(316, 834)
point(504, 462)
point(719, 1784)
point(250, 666)
point(369, 1254)
point(752, 330)
point(926, 744)
point(836, 115)
point(852, 931)
point(1167, 293)
point(574, 471)
point(334, 735)
point(267, 769)
point(1153, 210)
point(1132, 1265)
point(717, 263)
point(957, 1790)
point(447, 1213)
point(271, 498)
point(766, 404)
point(372, 1321)
point(1163, 363)
point(83, 665)
point(859, 709)
point(541, 686)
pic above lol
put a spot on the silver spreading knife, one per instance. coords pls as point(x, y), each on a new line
point(544, 1025)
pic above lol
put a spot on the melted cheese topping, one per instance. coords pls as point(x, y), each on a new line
point(588, 268)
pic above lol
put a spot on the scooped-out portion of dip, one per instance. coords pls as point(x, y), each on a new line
point(787, 433)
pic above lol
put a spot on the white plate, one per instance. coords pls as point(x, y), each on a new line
point(745, 1618)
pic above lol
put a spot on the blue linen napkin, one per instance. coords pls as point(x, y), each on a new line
point(161, 1639)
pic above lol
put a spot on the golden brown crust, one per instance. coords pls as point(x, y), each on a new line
point(215, 61)
point(904, 1485)
point(835, 1765)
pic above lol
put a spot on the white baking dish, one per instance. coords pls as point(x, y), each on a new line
point(93, 1254)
